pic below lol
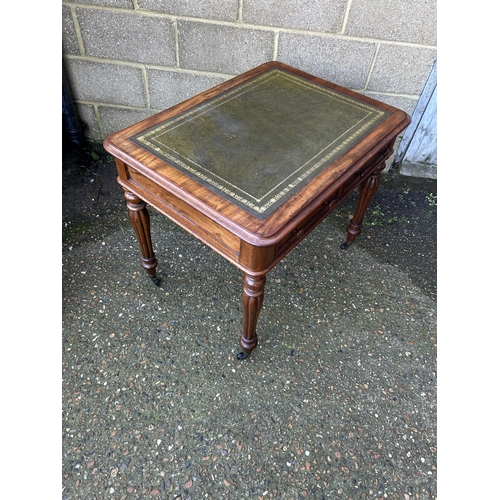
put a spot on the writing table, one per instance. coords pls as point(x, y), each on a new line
point(252, 165)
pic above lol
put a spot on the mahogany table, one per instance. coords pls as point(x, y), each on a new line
point(252, 165)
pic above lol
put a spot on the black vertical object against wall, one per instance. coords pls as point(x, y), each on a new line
point(71, 124)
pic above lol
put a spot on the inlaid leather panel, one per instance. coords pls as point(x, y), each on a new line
point(259, 143)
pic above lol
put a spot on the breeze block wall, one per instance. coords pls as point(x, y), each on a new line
point(125, 60)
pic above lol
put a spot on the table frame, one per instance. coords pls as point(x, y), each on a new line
point(254, 246)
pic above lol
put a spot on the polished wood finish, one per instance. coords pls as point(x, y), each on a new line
point(139, 217)
point(367, 191)
point(252, 242)
point(252, 298)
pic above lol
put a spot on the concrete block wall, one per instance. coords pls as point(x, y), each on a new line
point(128, 59)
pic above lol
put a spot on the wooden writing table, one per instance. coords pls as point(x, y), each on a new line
point(252, 165)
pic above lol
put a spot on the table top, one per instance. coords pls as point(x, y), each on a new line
point(254, 151)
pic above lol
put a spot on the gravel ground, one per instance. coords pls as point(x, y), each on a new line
point(337, 401)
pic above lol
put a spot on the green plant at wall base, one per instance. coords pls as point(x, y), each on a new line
point(94, 155)
point(378, 218)
point(401, 197)
point(432, 199)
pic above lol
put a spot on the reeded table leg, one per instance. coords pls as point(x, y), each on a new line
point(367, 191)
point(252, 298)
point(139, 216)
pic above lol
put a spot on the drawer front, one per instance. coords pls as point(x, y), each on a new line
point(198, 224)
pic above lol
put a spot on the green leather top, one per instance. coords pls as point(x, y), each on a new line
point(263, 140)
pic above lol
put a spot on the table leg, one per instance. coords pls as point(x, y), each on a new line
point(367, 191)
point(139, 217)
point(252, 298)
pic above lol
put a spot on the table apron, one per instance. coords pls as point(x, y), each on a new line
point(334, 196)
point(199, 225)
point(251, 259)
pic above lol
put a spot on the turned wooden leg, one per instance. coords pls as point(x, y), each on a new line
point(139, 216)
point(252, 298)
point(367, 191)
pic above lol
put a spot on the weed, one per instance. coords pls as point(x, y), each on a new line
point(378, 216)
point(432, 199)
point(380, 219)
point(401, 197)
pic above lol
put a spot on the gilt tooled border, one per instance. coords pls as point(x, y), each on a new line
point(148, 140)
